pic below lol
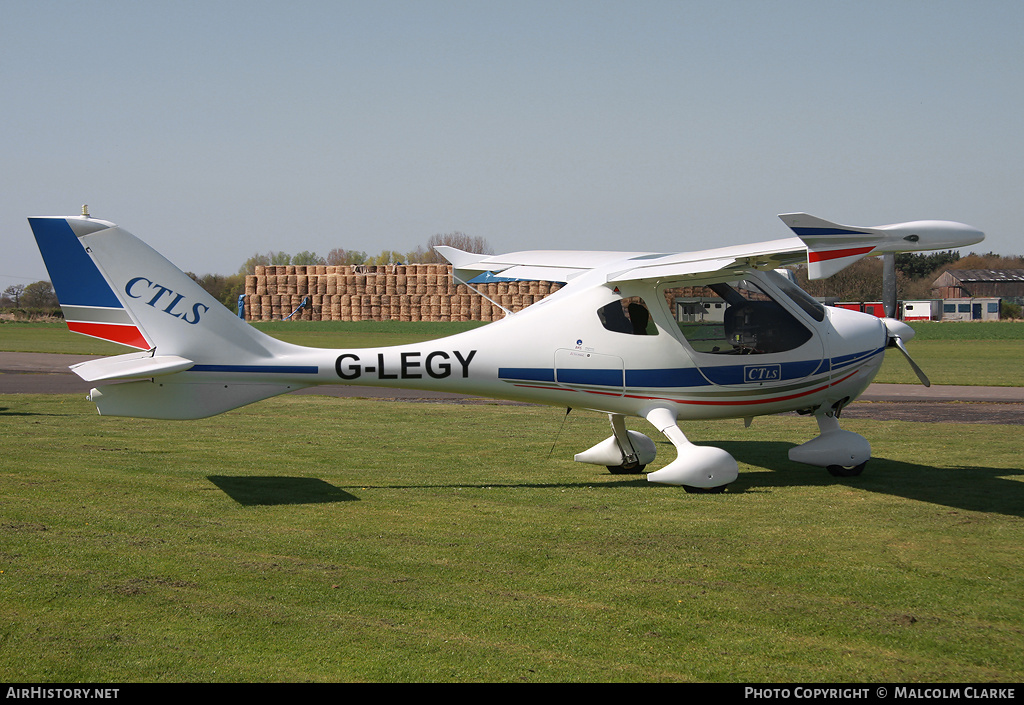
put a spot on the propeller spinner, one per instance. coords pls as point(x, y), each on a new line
point(899, 332)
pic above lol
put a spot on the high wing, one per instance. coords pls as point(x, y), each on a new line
point(565, 265)
point(826, 247)
point(736, 260)
point(530, 265)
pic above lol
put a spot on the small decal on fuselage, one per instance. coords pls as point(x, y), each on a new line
point(405, 365)
point(762, 373)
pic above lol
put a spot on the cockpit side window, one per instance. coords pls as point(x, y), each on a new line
point(630, 316)
point(736, 318)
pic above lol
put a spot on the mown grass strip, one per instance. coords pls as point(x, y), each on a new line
point(312, 538)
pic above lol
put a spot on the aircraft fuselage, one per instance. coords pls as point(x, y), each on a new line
point(569, 359)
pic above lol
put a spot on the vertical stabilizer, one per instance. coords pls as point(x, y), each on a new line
point(113, 286)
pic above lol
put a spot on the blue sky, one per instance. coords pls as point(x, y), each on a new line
point(214, 130)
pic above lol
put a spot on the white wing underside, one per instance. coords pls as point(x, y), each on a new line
point(564, 265)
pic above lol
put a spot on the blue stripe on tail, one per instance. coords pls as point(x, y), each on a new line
point(75, 278)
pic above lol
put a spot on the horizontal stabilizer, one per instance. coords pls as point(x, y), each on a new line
point(130, 366)
point(171, 399)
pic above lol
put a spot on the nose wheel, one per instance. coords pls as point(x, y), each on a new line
point(630, 469)
point(841, 471)
point(704, 490)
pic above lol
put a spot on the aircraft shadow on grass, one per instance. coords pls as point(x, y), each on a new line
point(7, 411)
point(968, 488)
point(274, 490)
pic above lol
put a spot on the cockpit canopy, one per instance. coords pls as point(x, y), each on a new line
point(742, 317)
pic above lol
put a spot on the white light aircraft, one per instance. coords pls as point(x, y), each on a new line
point(625, 336)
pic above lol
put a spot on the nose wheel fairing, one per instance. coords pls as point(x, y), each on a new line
point(843, 453)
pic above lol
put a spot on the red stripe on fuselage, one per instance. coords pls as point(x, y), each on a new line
point(747, 402)
point(702, 402)
point(836, 254)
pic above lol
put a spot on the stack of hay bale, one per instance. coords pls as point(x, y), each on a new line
point(394, 292)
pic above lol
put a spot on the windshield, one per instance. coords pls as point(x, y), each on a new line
point(736, 318)
point(800, 297)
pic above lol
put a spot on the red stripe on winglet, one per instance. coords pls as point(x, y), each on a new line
point(836, 254)
point(125, 335)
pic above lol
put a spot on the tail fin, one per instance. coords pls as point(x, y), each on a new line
point(113, 286)
point(831, 247)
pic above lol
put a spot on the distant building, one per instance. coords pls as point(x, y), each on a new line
point(974, 309)
point(980, 283)
point(977, 294)
point(927, 310)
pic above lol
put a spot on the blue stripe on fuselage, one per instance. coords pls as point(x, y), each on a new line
point(611, 377)
point(847, 360)
point(259, 369)
point(733, 375)
point(730, 375)
point(527, 374)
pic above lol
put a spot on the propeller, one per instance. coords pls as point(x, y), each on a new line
point(898, 332)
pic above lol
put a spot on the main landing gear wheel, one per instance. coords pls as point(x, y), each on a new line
point(635, 469)
point(705, 490)
point(840, 471)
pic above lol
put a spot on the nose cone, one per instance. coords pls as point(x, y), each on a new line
point(965, 234)
point(898, 329)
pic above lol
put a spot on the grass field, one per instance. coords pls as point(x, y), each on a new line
point(309, 538)
point(983, 353)
point(989, 363)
